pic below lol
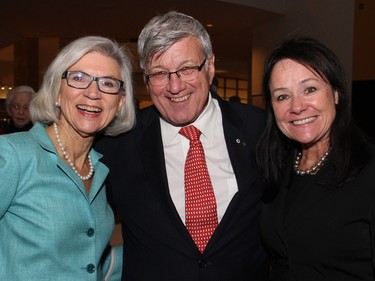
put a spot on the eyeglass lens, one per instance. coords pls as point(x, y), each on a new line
point(185, 74)
point(81, 80)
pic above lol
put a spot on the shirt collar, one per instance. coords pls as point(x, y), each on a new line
point(205, 123)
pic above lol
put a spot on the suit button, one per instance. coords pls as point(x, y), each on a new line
point(90, 268)
point(90, 232)
point(202, 264)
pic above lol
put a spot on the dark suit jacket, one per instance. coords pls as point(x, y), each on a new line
point(316, 232)
point(157, 246)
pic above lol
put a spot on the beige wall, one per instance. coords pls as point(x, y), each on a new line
point(341, 24)
point(331, 21)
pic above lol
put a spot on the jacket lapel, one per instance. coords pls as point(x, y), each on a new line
point(243, 167)
point(152, 154)
point(237, 146)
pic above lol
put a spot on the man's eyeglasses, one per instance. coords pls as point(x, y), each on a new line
point(82, 80)
point(187, 73)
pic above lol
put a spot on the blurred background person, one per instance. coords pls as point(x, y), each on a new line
point(235, 99)
point(17, 105)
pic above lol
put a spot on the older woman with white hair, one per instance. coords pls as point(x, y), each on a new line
point(55, 221)
point(17, 106)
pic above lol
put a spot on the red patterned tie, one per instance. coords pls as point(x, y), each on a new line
point(200, 203)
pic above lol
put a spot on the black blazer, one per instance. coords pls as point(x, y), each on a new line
point(316, 232)
point(157, 245)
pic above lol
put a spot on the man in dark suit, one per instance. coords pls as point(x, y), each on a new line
point(146, 181)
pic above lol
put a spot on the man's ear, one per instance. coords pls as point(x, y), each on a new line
point(211, 68)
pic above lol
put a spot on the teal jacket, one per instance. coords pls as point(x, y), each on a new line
point(50, 229)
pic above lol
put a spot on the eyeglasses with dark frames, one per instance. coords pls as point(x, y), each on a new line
point(187, 73)
point(82, 80)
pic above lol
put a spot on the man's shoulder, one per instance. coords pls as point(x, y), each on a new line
point(113, 144)
point(247, 113)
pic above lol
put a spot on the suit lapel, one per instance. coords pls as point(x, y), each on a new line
point(152, 155)
point(238, 151)
point(238, 148)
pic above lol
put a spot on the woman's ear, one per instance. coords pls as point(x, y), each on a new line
point(121, 102)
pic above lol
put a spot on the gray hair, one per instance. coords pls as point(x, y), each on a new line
point(162, 31)
point(15, 91)
point(43, 108)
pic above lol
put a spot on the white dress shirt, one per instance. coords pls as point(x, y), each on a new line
point(219, 166)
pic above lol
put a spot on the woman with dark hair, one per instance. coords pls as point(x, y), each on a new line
point(318, 222)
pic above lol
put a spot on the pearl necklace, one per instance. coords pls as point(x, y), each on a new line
point(314, 169)
point(66, 156)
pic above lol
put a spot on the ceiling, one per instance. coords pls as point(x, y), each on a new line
point(123, 20)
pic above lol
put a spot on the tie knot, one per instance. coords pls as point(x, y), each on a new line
point(190, 132)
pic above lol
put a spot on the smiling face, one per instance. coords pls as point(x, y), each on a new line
point(179, 102)
point(303, 103)
point(88, 111)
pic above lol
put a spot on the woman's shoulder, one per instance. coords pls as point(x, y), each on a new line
point(23, 142)
point(15, 138)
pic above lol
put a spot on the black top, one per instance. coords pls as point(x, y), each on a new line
point(322, 232)
point(9, 127)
